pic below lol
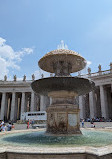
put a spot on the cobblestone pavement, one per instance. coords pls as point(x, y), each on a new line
point(86, 125)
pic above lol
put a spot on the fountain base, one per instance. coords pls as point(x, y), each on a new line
point(63, 119)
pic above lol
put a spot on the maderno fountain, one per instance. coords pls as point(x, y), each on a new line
point(62, 113)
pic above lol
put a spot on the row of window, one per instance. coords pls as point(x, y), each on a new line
point(36, 114)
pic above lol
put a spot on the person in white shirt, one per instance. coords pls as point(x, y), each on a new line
point(3, 127)
point(1, 124)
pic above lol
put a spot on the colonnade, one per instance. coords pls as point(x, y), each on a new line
point(17, 97)
point(13, 104)
point(97, 103)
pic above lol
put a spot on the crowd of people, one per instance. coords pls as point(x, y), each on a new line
point(91, 122)
point(10, 125)
point(30, 122)
point(97, 119)
point(4, 127)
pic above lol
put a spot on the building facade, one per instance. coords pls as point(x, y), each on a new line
point(17, 97)
point(98, 103)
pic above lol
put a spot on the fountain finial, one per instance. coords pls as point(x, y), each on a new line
point(62, 45)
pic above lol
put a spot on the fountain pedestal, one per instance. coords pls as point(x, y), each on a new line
point(63, 114)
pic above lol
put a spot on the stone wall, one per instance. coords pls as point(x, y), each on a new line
point(17, 155)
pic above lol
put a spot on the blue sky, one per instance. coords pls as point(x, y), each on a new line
point(31, 28)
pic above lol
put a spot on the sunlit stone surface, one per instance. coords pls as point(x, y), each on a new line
point(62, 62)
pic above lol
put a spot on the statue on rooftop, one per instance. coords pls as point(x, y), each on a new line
point(15, 78)
point(99, 67)
point(33, 77)
point(42, 75)
point(24, 78)
point(89, 70)
point(110, 65)
point(5, 78)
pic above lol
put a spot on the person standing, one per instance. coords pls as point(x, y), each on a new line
point(0, 125)
point(32, 123)
point(9, 126)
point(28, 124)
point(3, 128)
point(83, 123)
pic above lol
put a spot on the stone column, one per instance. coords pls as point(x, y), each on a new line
point(98, 103)
point(50, 100)
point(81, 107)
point(110, 67)
point(6, 106)
point(109, 99)
point(13, 106)
point(16, 107)
point(42, 103)
point(92, 104)
point(32, 101)
point(103, 98)
point(3, 104)
point(26, 102)
point(23, 103)
point(36, 102)
point(111, 87)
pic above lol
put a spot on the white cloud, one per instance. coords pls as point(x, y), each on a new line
point(3, 66)
point(2, 41)
point(84, 71)
point(10, 58)
point(28, 50)
point(88, 63)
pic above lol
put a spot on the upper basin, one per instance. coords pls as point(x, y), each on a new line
point(70, 58)
point(79, 85)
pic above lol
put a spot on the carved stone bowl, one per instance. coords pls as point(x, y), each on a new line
point(77, 85)
point(68, 56)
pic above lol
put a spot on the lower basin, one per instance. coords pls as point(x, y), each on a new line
point(79, 85)
point(40, 138)
point(93, 144)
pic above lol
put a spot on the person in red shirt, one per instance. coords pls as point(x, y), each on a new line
point(28, 124)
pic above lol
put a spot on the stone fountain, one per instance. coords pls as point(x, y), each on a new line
point(62, 113)
point(60, 140)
